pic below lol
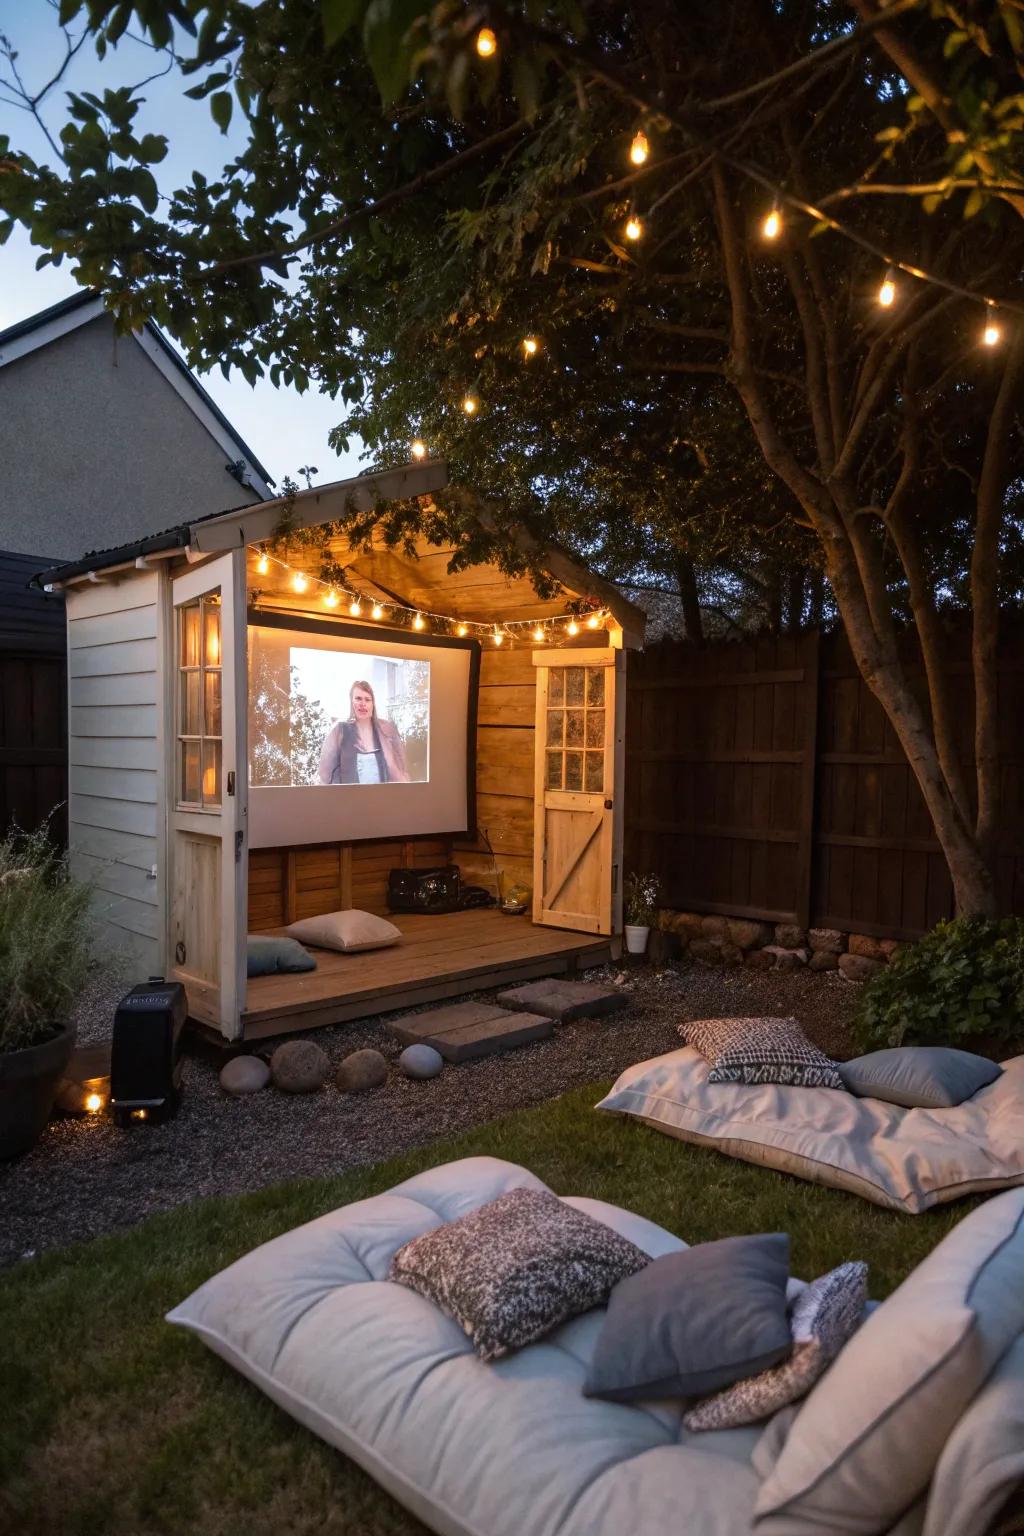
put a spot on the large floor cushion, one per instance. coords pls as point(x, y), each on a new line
point(906, 1159)
point(510, 1448)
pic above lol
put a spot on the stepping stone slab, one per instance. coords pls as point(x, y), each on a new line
point(565, 1000)
point(465, 1031)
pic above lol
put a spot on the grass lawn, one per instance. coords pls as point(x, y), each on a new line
point(113, 1420)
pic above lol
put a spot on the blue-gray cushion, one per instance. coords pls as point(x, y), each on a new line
point(695, 1321)
point(267, 955)
point(919, 1076)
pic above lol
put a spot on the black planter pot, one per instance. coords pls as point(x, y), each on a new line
point(28, 1082)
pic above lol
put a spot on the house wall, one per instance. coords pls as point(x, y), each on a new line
point(114, 746)
point(98, 448)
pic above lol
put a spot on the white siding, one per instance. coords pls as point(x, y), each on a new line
point(114, 750)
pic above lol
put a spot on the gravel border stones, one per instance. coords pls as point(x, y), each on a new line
point(299, 1066)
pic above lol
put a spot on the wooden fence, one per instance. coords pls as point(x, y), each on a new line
point(33, 701)
point(763, 780)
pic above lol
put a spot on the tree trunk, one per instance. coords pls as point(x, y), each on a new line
point(693, 623)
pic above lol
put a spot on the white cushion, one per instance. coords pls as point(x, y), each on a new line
point(352, 930)
point(907, 1159)
point(982, 1462)
point(511, 1448)
point(866, 1442)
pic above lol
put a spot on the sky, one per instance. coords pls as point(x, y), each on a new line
point(284, 429)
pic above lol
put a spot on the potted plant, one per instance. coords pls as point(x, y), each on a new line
point(640, 900)
point(44, 961)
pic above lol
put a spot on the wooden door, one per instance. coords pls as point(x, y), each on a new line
point(577, 832)
point(208, 785)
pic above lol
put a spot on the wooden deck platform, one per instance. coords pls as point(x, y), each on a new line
point(442, 956)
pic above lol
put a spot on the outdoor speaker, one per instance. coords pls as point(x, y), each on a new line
point(145, 1054)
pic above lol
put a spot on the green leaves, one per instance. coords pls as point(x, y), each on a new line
point(221, 106)
point(339, 16)
point(389, 48)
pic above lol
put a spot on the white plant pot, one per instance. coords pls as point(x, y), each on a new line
point(636, 938)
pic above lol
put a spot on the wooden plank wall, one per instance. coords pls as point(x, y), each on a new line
point(286, 884)
point(764, 780)
point(504, 773)
point(33, 742)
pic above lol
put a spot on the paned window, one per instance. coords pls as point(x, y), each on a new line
point(574, 744)
point(200, 745)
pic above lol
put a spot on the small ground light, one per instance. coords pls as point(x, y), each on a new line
point(634, 229)
point(94, 1103)
point(418, 448)
point(139, 1114)
point(772, 226)
point(486, 43)
point(530, 345)
point(469, 405)
point(991, 334)
point(887, 292)
point(639, 149)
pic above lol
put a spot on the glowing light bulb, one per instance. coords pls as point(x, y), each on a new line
point(530, 345)
point(138, 1114)
point(378, 611)
point(355, 607)
point(94, 1103)
point(991, 334)
point(887, 292)
point(594, 622)
point(331, 599)
point(634, 229)
point(419, 622)
point(539, 635)
point(486, 43)
point(299, 582)
point(262, 564)
point(572, 628)
point(772, 226)
point(462, 629)
point(639, 149)
point(469, 405)
point(418, 448)
point(498, 637)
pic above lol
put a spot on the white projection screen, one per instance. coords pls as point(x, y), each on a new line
point(355, 734)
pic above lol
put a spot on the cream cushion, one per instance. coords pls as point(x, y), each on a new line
point(352, 930)
point(907, 1159)
point(982, 1462)
point(511, 1448)
point(866, 1442)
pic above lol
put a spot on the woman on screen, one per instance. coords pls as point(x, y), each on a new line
point(363, 749)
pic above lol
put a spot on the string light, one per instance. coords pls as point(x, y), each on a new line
point(299, 582)
point(530, 345)
point(772, 226)
point(634, 228)
point(539, 634)
point(263, 564)
point(594, 622)
point(887, 292)
point(486, 43)
point(498, 637)
point(639, 149)
point(355, 607)
point(419, 622)
point(462, 629)
point(378, 611)
point(572, 628)
point(469, 405)
point(991, 335)
point(331, 599)
point(418, 448)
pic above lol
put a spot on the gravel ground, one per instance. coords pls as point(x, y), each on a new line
point(86, 1176)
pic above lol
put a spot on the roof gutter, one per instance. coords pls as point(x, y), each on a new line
point(128, 556)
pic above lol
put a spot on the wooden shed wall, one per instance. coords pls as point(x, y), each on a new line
point(113, 753)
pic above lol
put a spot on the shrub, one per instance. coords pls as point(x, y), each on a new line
point(44, 939)
point(964, 978)
point(640, 899)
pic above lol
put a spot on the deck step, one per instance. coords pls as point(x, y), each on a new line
point(466, 1031)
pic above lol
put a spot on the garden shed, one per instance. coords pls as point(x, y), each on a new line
point(262, 727)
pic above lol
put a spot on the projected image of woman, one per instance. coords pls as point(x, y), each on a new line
point(363, 749)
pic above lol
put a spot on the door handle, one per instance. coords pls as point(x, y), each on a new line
point(608, 805)
point(231, 781)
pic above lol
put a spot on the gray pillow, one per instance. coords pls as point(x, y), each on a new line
point(266, 954)
point(695, 1321)
point(919, 1076)
point(760, 1050)
point(514, 1269)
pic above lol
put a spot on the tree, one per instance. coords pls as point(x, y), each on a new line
point(702, 397)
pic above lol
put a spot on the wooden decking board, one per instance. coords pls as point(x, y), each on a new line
point(439, 957)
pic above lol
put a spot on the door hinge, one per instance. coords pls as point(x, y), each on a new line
point(239, 843)
point(615, 878)
point(231, 781)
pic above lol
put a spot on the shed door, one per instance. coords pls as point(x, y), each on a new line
point(207, 814)
point(577, 831)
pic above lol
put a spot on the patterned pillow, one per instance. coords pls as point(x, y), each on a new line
point(753, 1051)
point(514, 1269)
point(825, 1314)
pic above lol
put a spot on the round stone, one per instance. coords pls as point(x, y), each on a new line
point(244, 1074)
point(361, 1071)
point(299, 1066)
point(420, 1061)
